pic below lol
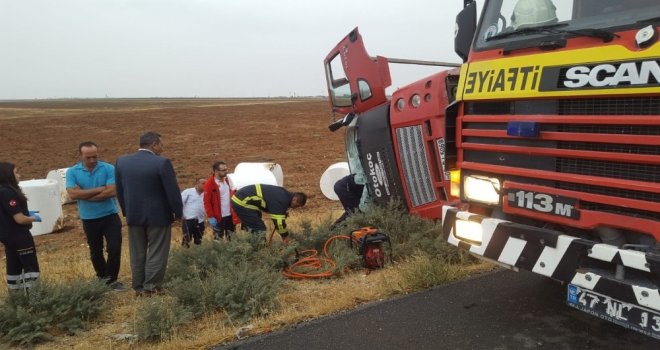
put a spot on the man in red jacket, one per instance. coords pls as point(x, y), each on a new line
point(217, 202)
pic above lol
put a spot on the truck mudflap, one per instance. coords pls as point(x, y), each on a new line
point(561, 257)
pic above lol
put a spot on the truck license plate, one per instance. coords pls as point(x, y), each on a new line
point(543, 203)
point(630, 316)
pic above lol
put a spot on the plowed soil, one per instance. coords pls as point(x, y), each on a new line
point(39, 136)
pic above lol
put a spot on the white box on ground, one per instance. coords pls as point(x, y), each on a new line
point(44, 196)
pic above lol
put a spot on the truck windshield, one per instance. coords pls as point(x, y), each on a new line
point(506, 21)
point(338, 84)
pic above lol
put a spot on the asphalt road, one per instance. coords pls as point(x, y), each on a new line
point(500, 310)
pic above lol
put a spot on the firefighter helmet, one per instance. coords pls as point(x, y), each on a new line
point(529, 13)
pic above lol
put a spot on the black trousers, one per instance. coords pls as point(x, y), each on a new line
point(193, 230)
point(22, 264)
point(349, 194)
point(225, 228)
point(108, 227)
point(250, 218)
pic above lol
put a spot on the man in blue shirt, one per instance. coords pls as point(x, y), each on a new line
point(92, 184)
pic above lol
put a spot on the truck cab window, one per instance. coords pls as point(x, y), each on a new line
point(338, 84)
point(364, 89)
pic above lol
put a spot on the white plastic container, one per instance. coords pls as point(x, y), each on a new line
point(44, 196)
point(331, 175)
point(257, 173)
point(59, 175)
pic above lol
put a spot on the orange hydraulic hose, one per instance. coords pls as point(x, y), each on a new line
point(313, 266)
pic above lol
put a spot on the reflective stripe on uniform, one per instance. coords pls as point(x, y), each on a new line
point(22, 281)
point(31, 275)
point(279, 223)
point(259, 195)
point(26, 275)
point(258, 198)
point(22, 285)
point(14, 277)
point(243, 203)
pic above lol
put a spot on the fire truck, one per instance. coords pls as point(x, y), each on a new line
point(542, 152)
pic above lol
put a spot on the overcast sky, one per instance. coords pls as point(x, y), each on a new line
point(206, 48)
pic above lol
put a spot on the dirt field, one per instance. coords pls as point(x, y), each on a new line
point(39, 136)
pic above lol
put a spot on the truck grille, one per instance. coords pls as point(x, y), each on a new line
point(637, 162)
point(614, 192)
point(416, 170)
point(610, 106)
point(616, 170)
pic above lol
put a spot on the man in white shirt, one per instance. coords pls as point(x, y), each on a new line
point(193, 213)
point(217, 199)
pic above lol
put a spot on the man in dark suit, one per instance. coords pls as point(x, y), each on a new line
point(150, 200)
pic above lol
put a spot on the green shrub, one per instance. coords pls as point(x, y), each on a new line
point(195, 294)
point(202, 261)
point(422, 272)
point(158, 318)
point(340, 250)
point(19, 325)
point(247, 291)
point(408, 233)
point(241, 277)
point(345, 254)
point(26, 319)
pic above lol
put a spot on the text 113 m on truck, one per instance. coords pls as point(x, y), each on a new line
point(542, 152)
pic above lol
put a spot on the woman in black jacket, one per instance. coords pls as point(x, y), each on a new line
point(15, 224)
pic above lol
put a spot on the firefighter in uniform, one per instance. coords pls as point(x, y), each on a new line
point(250, 201)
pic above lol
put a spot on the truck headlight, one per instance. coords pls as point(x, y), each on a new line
point(482, 189)
point(469, 231)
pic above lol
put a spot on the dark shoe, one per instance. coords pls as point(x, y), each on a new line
point(158, 291)
point(117, 286)
point(150, 293)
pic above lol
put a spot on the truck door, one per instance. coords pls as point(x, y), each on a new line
point(356, 81)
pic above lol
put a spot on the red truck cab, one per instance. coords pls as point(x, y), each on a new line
point(396, 146)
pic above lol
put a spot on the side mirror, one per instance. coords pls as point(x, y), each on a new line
point(341, 122)
point(466, 25)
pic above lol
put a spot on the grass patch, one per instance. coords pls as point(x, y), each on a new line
point(158, 318)
point(410, 235)
point(49, 309)
point(241, 278)
point(422, 271)
point(218, 287)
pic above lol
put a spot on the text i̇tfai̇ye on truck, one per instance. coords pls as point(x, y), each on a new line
point(542, 152)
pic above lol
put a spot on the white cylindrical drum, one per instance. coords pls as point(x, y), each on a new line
point(59, 175)
point(257, 173)
point(44, 196)
point(331, 175)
